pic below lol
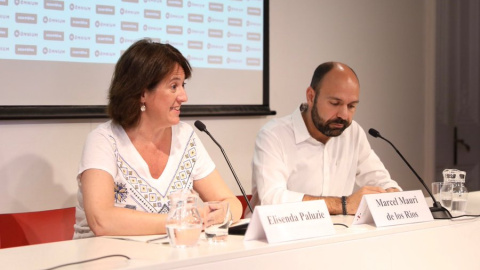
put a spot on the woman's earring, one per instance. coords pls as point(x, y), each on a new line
point(143, 108)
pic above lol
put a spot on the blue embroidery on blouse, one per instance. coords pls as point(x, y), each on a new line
point(133, 207)
point(121, 192)
point(140, 192)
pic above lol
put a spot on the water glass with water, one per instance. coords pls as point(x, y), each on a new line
point(217, 220)
point(442, 191)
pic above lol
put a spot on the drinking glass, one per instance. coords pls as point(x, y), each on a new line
point(217, 219)
point(442, 191)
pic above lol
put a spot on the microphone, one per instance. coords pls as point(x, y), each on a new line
point(241, 229)
point(438, 211)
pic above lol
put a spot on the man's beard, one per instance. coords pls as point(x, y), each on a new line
point(323, 126)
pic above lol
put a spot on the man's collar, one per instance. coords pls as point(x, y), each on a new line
point(299, 127)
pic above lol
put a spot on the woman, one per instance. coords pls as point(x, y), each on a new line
point(131, 163)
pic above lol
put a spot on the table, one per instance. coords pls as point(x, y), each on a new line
point(440, 244)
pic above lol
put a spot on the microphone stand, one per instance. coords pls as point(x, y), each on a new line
point(240, 229)
point(233, 171)
point(438, 211)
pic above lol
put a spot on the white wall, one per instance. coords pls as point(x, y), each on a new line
point(387, 42)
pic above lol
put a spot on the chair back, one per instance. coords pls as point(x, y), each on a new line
point(244, 203)
point(20, 229)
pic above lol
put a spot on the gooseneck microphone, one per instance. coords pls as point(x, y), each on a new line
point(201, 126)
point(437, 207)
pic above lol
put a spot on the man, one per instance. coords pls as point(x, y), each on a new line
point(319, 152)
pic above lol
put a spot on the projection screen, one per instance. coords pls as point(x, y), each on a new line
point(57, 57)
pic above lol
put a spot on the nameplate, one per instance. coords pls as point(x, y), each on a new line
point(289, 221)
point(393, 208)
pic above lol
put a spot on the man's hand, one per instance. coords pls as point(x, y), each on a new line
point(334, 204)
point(353, 201)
